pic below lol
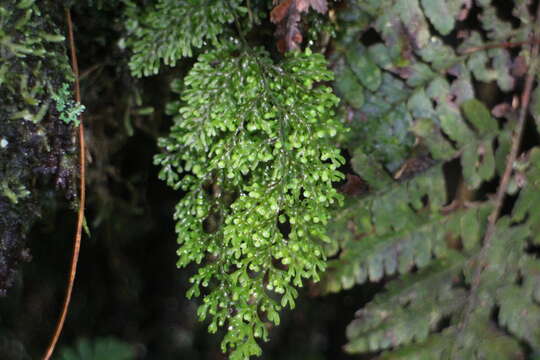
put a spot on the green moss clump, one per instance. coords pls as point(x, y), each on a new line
point(36, 148)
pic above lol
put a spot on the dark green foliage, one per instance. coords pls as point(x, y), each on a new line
point(411, 88)
point(254, 138)
point(98, 349)
point(36, 147)
point(171, 29)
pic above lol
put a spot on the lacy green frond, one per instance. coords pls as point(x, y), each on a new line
point(67, 107)
point(251, 147)
point(172, 29)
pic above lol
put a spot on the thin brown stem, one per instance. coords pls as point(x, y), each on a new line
point(499, 45)
point(505, 180)
point(82, 199)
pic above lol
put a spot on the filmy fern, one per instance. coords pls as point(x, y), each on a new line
point(171, 29)
point(254, 139)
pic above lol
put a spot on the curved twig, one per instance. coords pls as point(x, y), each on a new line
point(82, 198)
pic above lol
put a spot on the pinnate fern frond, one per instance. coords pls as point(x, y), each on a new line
point(465, 276)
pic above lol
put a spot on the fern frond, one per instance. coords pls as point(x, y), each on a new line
point(172, 29)
point(397, 229)
point(409, 309)
point(432, 348)
point(251, 147)
point(418, 95)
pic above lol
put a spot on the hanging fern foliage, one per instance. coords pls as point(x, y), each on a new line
point(251, 147)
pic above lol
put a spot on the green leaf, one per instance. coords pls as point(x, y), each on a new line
point(370, 170)
point(349, 87)
point(439, 14)
point(479, 116)
point(366, 70)
point(414, 21)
